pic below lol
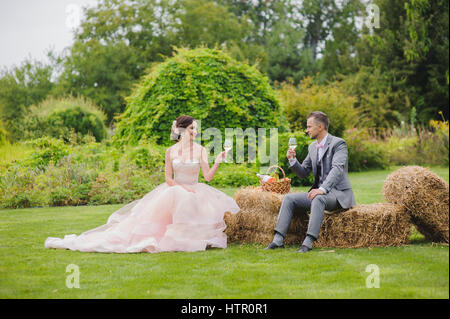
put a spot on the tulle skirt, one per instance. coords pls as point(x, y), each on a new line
point(168, 218)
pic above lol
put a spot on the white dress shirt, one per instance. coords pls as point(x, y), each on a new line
point(320, 154)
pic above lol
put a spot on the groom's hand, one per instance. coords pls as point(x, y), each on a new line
point(290, 154)
point(314, 192)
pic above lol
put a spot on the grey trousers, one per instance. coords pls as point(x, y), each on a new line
point(295, 202)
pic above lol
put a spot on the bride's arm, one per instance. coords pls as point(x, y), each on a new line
point(208, 173)
point(168, 169)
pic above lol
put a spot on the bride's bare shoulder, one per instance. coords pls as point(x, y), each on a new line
point(200, 147)
point(170, 149)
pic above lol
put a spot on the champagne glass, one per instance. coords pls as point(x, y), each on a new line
point(292, 143)
point(228, 145)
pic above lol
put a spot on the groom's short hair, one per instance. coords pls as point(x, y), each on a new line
point(321, 118)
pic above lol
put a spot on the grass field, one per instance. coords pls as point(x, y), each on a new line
point(28, 270)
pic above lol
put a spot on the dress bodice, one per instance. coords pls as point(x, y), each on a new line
point(185, 172)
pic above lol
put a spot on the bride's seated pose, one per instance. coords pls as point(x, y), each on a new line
point(178, 215)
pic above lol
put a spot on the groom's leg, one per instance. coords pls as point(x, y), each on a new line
point(319, 204)
point(291, 203)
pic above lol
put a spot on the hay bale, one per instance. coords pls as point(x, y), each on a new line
point(258, 216)
point(361, 226)
point(425, 197)
point(379, 224)
point(256, 226)
point(257, 199)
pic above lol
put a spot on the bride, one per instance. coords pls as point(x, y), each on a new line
point(178, 215)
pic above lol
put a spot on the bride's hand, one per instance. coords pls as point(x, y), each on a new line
point(220, 158)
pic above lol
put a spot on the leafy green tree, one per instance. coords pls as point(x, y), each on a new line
point(119, 40)
point(298, 101)
point(427, 49)
point(206, 84)
point(410, 52)
point(21, 87)
point(301, 38)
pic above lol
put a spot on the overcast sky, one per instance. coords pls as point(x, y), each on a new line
point(29, 28)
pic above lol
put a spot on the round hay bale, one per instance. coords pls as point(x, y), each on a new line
point(255, 198)
point(425, 197)
point(379, 224)
point(257, 226)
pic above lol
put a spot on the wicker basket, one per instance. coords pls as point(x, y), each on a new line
point(283, 186)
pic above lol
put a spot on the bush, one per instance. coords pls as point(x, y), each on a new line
point(59, 118)
point(3, 134)
point(308, 97)
point(204, 83)
point(48, 151)
point(55, 174)
point(364, 151)
point(410, 145)
point(234, 175)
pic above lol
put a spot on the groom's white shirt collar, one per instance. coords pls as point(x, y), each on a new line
point(324, 140)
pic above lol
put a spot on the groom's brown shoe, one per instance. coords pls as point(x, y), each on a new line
point(272, 245)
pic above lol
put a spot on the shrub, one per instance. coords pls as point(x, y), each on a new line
point(204, 83)
point(364, 151)
point(308, 97)
point(59, 118)
point(49, 151)
point(3, 134)
point(436, 143)
point(234, 175)
point(55, 174)
point(411, 145)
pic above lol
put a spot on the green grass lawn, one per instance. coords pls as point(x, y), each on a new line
point(28, 270)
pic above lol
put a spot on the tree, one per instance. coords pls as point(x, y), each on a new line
point(206, 84)
point(410, 50)
point(21, 87)
point(119, 40)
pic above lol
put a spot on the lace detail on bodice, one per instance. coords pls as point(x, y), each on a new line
point(185, 172)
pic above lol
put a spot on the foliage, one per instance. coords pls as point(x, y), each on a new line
point(418, 145)
point(204, 83)
point(48, 151)
point(234, 175)
point(308, 96)
point(3, 134)
point(377, 99)
point(410, 51)
point(58, 117)
point(21, 87)
point(118, 41)
point(363, 151)
point(56, 174)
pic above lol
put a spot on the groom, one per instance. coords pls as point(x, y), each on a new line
point(327, 158)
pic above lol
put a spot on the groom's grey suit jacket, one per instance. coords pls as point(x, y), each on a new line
point(334, 169)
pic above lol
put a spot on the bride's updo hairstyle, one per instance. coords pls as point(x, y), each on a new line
point(181, 123)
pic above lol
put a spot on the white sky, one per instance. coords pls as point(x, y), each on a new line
point(29, 28)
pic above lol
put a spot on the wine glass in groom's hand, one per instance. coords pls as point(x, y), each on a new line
point(292, 145)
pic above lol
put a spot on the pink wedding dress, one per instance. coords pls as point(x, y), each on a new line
point(168, 218)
